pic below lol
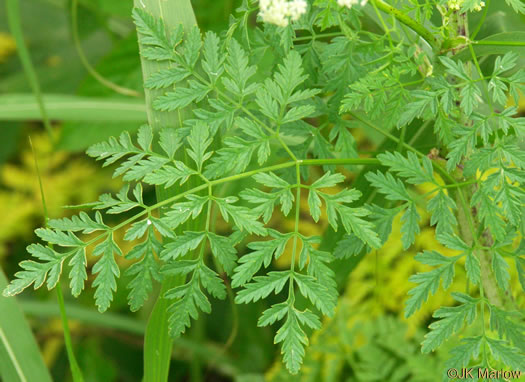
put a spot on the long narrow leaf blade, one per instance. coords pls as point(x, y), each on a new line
point(157, 341)
point(23, 107)
point(20, 358)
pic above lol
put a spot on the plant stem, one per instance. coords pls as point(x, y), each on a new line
point(75, 369)
point(13, 19)
point(316, 36)
point(437, 167)
point(73, 364)
point(296, 229)
point(92, 71)
point(157, 341)
point(494, 294)
point(481, 21)
point(468, 231)
point(408, 21)
point(499, 43)
point(198, 329)
point(383, 24)
point(480, 74)
point(455, 185)
point(418, 133)
point(386, 133)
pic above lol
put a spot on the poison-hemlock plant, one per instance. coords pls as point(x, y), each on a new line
point(281, 99)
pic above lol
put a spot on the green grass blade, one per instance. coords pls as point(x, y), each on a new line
point(23, 107)
point(20, 358)
point(73, 364)
point(90, 317)
point(117, 322)
point(158, 344)
point(157, 341)
point(13, 19)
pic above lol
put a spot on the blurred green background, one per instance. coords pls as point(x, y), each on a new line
point(368, 329)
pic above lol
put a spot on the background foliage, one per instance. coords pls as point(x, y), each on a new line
point(226, 344)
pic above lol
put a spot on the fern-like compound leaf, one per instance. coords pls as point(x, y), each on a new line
point(428, 282)
point(224, 251)
point(107, 272)
point(262, 286)
point(392, 188)
point(462, 354)
point(509, 355)
point(508, 326)
point(78, 274)
point(451, 320)
point(144, 271)
point(264, 252)
point(81, 222)
point(409, 167)
point(189, 299)
point(293, 339)
point(35, 273)
point(181, 245)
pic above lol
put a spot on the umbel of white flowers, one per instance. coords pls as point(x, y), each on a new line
point(280, 12)
point(350, 3)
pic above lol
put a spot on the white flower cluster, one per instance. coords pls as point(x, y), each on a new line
point(280, 12)
point(456, 5)
point(351, 3)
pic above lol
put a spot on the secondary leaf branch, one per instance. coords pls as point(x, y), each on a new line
point(298, 163)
